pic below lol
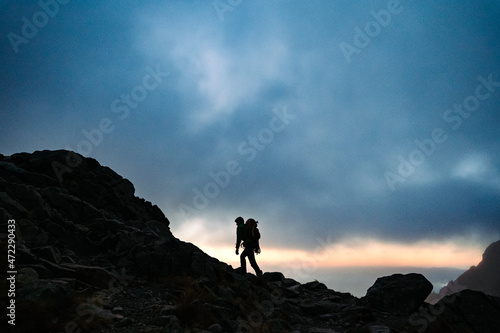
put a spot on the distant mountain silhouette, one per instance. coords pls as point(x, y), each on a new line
point(90, 256)
point(484, 277)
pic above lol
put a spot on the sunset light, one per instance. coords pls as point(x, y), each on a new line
point(358, 253)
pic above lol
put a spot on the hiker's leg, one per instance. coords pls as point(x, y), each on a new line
point(253, 263)
point(243, 262)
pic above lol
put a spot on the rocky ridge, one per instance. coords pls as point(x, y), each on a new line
point(92, 257)
point(484, 277)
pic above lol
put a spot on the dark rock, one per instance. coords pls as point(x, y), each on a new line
point(32, 202)
point(84, 237)
point(124, 322)
point(12, 205)
point(26, 276)
point(216, 328)
point(49, 253)
point(316, 308)
point(92, 275)
point(25, 256)
point(288, 283)
point(172, 324)
point(74, 208)
point(484, 277)
point(398, 293)
point(117, 309)
point(202, 265)
point(379, 329)
point(277, 325)
point(42, 239)
point(46, 290)
point(220, 311)
point(465, 311)
point(57, 230)
point(223, 292)
point(240, 280)
point(314, 285)
point(273, 276)
point(57, 270)
point(160, 229)
point(42, 271)
point(162, 321)
point(322, 330)
point(27, 231)
point(168, 310)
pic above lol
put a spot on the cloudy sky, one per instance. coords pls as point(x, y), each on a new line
point(358, 133)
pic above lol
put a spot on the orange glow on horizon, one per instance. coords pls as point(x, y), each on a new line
point(359, 254)
point(460, 252)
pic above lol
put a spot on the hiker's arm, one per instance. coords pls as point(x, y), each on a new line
point(238, 241)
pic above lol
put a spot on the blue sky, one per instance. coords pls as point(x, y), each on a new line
point(321, 119)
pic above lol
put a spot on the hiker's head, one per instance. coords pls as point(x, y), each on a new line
point(239, 220)
point(252, 222)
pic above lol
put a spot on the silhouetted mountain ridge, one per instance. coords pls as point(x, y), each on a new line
point(484, 277)
point(92, 257)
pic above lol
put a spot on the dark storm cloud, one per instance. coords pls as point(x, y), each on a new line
point(356, 115)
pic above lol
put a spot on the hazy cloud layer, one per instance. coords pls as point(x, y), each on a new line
point(375, 118)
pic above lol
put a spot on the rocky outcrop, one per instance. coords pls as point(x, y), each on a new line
point(398, 293)
point(92, 257)
point(79, 226)
point(484, 277)
point(465, 311)
point(91, 214)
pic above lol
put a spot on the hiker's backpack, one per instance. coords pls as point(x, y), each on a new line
point(240, 232)
point(251, 231)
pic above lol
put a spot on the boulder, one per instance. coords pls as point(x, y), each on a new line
point(92, 275)
point(399, 294)
point(57, 271)
point(12, 205)
point(314, 285)
point(56, 291)
point(273, 276)
point(464, 311)
point(26, 276)
point(316, 308)
point(216, 328)
point(49, 253)
point(203, 265)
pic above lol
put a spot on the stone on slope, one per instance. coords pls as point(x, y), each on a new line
point(465, 311)
point(92, 275)
point(399, 294)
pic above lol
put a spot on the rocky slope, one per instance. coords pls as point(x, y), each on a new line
point(484, 277)
point(92, 257)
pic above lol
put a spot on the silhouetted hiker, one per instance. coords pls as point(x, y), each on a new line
point(250, 235)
